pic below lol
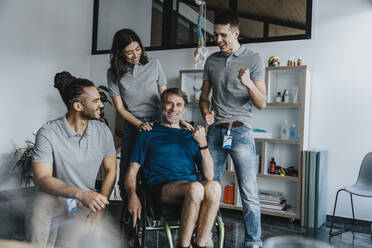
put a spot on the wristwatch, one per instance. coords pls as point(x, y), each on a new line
point(203, 147)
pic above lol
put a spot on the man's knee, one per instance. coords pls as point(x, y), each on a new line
point(195, 191)
point(212, 191)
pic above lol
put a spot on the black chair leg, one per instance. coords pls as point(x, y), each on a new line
point(333, 217)
point(352, 209)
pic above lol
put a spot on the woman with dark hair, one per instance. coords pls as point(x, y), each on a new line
point(135, 83)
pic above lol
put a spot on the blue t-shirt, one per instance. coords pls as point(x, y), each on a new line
point(167, 155)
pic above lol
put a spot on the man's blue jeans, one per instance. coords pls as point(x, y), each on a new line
point(243, 155)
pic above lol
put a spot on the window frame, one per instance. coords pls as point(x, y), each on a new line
point(167, 25)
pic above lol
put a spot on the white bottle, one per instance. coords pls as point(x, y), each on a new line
point(284, 132)
point(285, 96)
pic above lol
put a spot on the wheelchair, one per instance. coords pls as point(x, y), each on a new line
point(156, 217)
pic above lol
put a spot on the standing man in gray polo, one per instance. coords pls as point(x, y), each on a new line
point(236, 75)
point(68, 154)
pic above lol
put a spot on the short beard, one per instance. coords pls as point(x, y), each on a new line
point(171, 121)
point(88, 116)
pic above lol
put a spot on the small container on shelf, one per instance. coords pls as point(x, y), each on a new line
point(285, 97)
point(293, 132)
point(228, 196)
point(284, 131)
point(278, 97)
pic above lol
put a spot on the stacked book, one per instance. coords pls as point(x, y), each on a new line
point(272, 201)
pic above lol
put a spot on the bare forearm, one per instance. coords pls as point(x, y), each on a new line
point(56, 187)
point(258, 98)
point(204, 105)
point(207, 164)
point(129, 117)
point(108, 183)
point(130, 184)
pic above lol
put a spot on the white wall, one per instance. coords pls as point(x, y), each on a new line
point(116, 14)
point(38, 38)
point(339, 58)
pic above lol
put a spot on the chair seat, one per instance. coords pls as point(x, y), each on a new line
point(358, 189)
point(168, 210)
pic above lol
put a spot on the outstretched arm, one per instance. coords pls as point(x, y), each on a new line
point(134, 205)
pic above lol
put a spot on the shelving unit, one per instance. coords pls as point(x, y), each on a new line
point(286, 152)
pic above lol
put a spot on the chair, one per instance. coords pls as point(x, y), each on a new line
point(156, 217)
point(362, 187)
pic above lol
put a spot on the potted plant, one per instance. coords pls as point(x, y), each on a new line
point(24, 162)
point(102, 91)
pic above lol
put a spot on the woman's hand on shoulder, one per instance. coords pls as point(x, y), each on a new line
point(145, 126)
point(186, 125)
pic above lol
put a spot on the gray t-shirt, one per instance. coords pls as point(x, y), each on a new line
point(76, 159)
point(139, 88)
point(231, 100)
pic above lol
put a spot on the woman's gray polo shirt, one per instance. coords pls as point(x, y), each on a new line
point(139, 88)
point(231, 100)
point(76, 159)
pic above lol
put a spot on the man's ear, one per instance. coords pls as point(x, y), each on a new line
point(77, 106)
point(237, 32)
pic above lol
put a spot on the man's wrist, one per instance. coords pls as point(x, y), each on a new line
point(203, 147)
point(78, 194)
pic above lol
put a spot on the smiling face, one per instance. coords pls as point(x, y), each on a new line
point(226, 38)
point(91, 103)
point(173, 108)
point(132, 53)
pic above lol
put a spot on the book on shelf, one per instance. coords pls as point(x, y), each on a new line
point(284, 210)
point(276, 206)
point(270, 202)
point(261, 134)
point(270, 195)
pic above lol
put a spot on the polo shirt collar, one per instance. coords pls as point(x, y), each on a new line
point(240, 51)
point(70, 132)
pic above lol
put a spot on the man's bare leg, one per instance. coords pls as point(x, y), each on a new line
point(192, 194)
point(208, 211)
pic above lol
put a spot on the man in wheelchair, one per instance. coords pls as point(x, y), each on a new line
point(168, 154)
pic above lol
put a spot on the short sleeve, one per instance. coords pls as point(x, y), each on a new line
point(112, 86)
point(109, 144)
point(43, 148)
point(139, 149)
point(258, 70)
point(206, 70)
point(162, 80)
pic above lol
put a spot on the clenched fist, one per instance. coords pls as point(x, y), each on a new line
point(209, 117)
point(199, 135)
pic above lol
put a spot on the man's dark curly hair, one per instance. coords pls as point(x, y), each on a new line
point(70, 87)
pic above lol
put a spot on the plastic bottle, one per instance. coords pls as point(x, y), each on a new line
point(285, 96)
point(272, 166)
point(278, 97)
point(293, 132)
point(284, 132)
